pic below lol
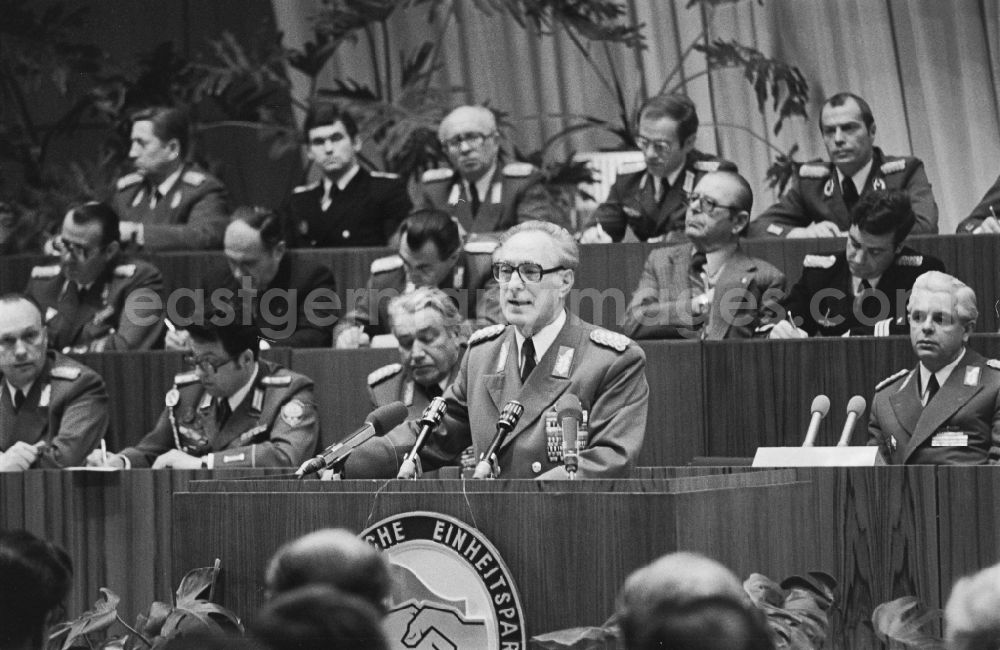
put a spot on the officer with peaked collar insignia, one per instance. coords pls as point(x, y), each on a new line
point(94, 299)
point(232, 410)
point(53, 410)
point(984, 220)
point(947, 409)
point(544, 353)
point(818, 203)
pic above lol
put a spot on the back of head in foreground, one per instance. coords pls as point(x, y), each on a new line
point(319, 617)
point(972, 615)
point(712, 623)
point(35, 577)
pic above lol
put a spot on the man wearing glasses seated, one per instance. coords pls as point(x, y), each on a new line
point(709, 288)
point(94, 299)
point(53, 410)
point(477, 190)
point(649, 198)
point(232, 410)
point(544, 353)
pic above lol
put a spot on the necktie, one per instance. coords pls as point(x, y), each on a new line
point(528, 358)
point(222, 412)
point(19, 398)
point(932, 389)
point(474, 198)
point(850, 193)
point(154, 197)
point(698, 261)
point(434, 390)
point(664, 188)
point(332, 192)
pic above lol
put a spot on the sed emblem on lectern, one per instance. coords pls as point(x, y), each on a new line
point(451, 588)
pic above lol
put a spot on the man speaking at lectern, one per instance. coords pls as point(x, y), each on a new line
point(946, 411)
point(543, 353)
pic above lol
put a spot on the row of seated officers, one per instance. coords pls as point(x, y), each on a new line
point(169, 203)
point(236, 410)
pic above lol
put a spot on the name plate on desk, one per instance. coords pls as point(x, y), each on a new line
point(817, 457)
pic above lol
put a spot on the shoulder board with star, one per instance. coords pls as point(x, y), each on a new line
point(706, 165)
point(276, 380)
point(609, 339)
point(376, 377)
point(518, 169)
point(890, 379)
point(808, 170)
point(69, 373)
point(993, 363)
point(486, 334)
point(893, 166)
point(481, 246)
point(632, 167)
point(185, 378)
point(192, 177)
point(910, 260)
point(305, 188)
point(125, 270)
point(45, 272)
point(436, 175)
point(378, 174)
point(819, 261)
point(386, 264)
point(128, 180)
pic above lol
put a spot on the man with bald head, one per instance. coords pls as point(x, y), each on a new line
point(946, 410)
point(479, 191)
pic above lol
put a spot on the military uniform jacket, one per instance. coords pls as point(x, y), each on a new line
point(191, 216)
point(632, 200)
point(444, 190)
point(661, 305)
point(833, 312)
point(365, 213)
point(815, 195)
point(981, 211)
point(274, 426)
point(296, 280)
point(117, 312)
point(968, 403)
point(67, 407)
point(604, 369)
point(471, 283)
point(381, 457)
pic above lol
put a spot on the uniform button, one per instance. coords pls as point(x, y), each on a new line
point(346, 234)
point(536, 467)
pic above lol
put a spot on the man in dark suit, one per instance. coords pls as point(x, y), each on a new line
point(428, 327)
point(863, 289)
point(477, 190)
point(232, 410)
point(168, 203)
point(946, 411)
point(431, 254)
point(544, 353)
point(710, 287)
point(53, 410)
point(983, 219)
point(820, 199)
point(350, 206)
point(95, 299)
point(649, 199)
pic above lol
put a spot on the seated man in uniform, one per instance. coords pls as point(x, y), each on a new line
point(946, 411)
point(984, 220)
point(293, 300)
point(710, 287)
point(168, 203)
point(861, 290)
point(822, 195)
point(95, 299)
point(649, 199)
point(430, 255)
point(544, 353)
point(53, 410)
point(428, 327)
point(350, 206)
point(232, 410)
point(477, 190)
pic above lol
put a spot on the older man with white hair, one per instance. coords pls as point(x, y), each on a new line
point(946, 410)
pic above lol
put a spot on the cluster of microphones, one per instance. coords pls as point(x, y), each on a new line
point(386, 418)
point(821, 406)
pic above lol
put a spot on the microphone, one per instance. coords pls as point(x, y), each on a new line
point(569, 413)
point(855, 407)
point(377, 423)
point(820, 407)
point(429, 420)
point(509, 416)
